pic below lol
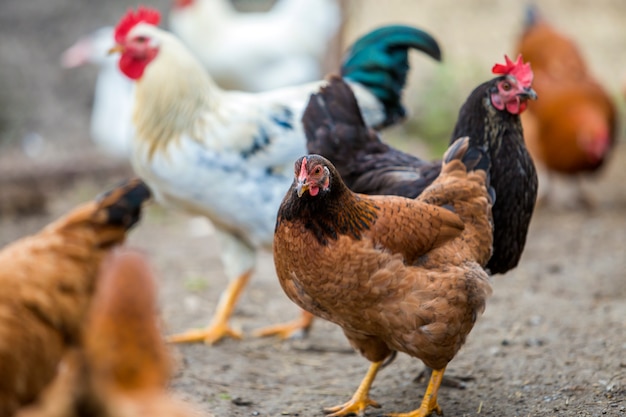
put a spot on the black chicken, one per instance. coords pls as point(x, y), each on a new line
point(490, 117)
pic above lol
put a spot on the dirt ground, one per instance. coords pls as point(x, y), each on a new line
point(552, 341)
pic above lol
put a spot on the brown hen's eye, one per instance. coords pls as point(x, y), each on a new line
point(141, 39)
point(506, 86)
point(317, 170)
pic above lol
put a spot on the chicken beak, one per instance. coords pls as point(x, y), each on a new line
point(301, 187)
point(116, 49)
point(528, 93)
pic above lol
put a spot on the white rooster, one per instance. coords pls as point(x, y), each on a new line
point(111, 128)
point(229, 155)
point(258, 51)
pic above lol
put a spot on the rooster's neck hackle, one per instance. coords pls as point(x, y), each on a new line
point(172, 97)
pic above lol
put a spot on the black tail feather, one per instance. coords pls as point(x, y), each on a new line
point(333, 123)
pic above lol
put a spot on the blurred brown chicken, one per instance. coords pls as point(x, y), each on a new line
point(47, 282)
point(396, 274)
point(571, 129)
point(123, 367)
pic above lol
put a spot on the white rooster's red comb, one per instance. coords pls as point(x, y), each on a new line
point(132, 18)
point(518, 69)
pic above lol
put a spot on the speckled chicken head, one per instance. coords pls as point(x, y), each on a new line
point(313, 173)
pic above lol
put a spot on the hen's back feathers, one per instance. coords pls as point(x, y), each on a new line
point(47, 280)
point(335, 128)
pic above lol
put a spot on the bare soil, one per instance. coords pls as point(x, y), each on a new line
point(552, 341)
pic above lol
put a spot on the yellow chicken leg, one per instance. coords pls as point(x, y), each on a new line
point(287, 330)
point(429, 402)
point(219, 328)
point(360, 400)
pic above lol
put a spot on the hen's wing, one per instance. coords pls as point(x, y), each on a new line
point(400, 230)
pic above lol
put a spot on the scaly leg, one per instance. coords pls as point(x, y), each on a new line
point(286, 330)
point(360, 400)
point(429, 402)
point(219, 328)
point(458, 382)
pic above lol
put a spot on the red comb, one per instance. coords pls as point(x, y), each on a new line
point(130, 19)
point(303, 168)
point(518, 69)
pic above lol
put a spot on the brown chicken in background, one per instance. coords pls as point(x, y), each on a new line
point(397, 274)
point(47, 282)
point(572, 128)
point(123, 366)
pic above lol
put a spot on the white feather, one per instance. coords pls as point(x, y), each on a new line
point(258, 51)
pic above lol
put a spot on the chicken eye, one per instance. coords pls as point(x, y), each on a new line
point(141, 39)
point(317, 170)
point(506, 86)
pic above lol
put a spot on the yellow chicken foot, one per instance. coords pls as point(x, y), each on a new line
point(360, 400)
point(429, 402)
point(286, 330)
point(219, 327)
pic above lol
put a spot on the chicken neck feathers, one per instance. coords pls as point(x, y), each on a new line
point(513, 174)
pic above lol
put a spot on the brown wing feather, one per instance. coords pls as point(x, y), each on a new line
point(412, 228)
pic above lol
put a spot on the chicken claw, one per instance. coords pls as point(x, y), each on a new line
point(296, 328)
point(209, 335)
point(219, 328)
point(360, 400)
point(429, 402)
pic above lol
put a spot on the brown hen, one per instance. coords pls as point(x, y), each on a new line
point(47, 281)
point(571, 129)
point(122, 368)
point(396, 274)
